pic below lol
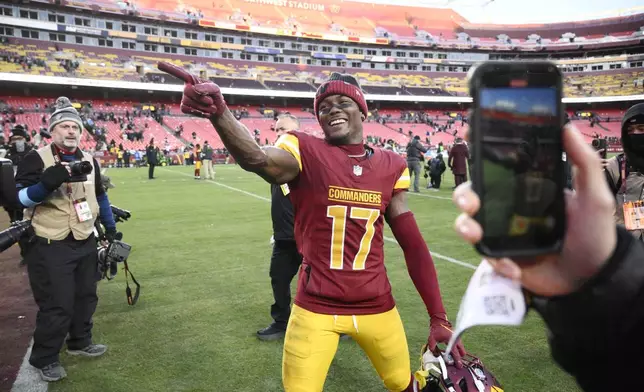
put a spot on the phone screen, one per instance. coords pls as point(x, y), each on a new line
point(522, 167)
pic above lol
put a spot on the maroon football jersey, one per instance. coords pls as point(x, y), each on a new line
point(339, 203)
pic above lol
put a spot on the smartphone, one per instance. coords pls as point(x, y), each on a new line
point(518, 171)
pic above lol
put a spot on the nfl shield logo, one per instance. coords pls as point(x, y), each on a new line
point(357, 170)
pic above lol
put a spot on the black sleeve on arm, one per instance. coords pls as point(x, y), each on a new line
point(29, 170)
point(596, 333)
point(97, 179)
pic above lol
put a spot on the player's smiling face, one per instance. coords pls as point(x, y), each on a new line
point(341, 120)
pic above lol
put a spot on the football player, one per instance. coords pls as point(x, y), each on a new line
point(342, 192)
point(197, 155)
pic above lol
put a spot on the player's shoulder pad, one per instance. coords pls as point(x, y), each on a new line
point(290, 142)
point(400, 169)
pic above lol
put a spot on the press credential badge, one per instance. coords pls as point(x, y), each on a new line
point(490, 299)
point(83, 211)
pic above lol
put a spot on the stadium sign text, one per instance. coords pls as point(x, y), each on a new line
point(290, 4)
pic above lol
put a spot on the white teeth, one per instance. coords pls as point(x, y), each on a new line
point(336, 122)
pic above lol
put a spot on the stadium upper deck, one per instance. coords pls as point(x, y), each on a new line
point(26, 56)
point(361, 22)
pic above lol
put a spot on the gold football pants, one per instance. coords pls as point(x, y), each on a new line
point(312, 340)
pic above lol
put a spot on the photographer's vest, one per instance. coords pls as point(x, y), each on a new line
point(629, 189)
point(56, 216)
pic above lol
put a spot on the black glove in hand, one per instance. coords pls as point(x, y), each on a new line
point(54, 176)
point(111, 234)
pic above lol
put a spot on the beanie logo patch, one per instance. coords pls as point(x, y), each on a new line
point(323, 88)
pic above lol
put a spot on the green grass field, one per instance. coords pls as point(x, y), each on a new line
point(201, 252)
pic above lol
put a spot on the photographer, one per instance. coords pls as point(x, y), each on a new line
point(625, 172)
point(16, 152)
point(436, 169)
point(63, 197)
point(415, 152)
point(18, 145)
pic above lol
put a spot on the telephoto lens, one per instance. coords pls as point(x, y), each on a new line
point(11, 235)
point(120, 215)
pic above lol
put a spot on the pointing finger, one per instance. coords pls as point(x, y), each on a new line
point(177, 72)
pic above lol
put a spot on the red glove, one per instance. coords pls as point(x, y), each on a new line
point(440, 331)
point(200, 97)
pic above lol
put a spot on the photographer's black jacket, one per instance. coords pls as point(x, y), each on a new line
point(597, 333)
point(282, 214)
point(15, 156)
point(415, 151)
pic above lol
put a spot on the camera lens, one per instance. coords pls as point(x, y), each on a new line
point(81, 168)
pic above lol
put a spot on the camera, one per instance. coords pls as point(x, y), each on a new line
point(79, 170)
point(600, 145)
point(13, 234)
point(115, 252)
point(109, 256)
point(120, 215)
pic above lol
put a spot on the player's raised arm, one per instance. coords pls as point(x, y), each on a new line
point(421, 267)
point(204, 99)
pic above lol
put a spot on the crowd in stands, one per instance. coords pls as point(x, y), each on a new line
point(41, 58)
point(114, 128)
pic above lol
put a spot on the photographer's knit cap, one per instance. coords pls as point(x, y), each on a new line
point(18, 130)
point(341, 84)
point(64, 112)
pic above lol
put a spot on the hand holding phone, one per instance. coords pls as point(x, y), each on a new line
point(518, 170)
point(590, 236)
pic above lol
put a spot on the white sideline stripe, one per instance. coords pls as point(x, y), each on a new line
point(430, 196)
point(392, 240)
point(28, 379)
